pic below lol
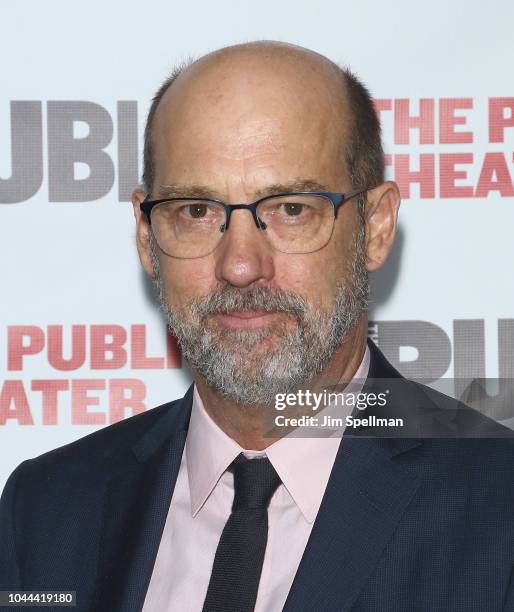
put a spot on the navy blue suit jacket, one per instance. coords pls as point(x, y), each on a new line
point(405, 525)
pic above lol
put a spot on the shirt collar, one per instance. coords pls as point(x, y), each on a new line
point(303, 463)
point(209, 452)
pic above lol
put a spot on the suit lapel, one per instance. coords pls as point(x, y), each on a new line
point(366, 496)
point(137, 500)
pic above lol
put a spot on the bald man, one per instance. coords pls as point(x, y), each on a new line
point(263, 209)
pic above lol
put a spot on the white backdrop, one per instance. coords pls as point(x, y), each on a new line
point(78, 77)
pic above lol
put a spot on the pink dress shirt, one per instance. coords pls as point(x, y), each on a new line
point(202, 501)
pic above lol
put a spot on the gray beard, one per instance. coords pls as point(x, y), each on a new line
point(249, 367)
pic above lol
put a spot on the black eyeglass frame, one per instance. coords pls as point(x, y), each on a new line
point(337, 199)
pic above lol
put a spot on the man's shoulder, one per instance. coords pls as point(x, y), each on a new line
point(93, 456)
point(450, 430)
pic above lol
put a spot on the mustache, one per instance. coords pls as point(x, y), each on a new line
point(266, 299)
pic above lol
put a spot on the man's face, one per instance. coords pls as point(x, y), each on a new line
point(250, 319)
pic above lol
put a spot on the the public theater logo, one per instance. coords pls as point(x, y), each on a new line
point(94, 373)
point(435, 148)
point(72, 151)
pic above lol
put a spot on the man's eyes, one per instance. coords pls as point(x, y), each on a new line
point(291, 209)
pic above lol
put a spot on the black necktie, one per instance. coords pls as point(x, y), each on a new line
point(238, 562)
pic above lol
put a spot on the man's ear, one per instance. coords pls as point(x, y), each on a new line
point(381, 215)
point(142, 232)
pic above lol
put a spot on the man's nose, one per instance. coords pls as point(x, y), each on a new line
point(244, 255)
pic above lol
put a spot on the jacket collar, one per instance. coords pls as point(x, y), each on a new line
point(136, 503)
point(365, 499)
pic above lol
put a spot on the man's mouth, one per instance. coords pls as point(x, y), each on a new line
point(248, 319)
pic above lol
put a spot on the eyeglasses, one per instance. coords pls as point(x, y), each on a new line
point(298, 222)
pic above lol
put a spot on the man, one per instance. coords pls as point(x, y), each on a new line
point(264, 207)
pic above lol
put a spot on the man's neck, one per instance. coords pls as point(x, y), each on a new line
point(246, 424)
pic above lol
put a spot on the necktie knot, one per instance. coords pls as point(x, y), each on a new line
point(255, 481)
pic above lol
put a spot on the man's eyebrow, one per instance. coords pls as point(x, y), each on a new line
point(291, 186)
point(202, 191)
point(186, 191)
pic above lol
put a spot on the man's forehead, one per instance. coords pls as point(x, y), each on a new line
point(275, 77)
point(265, 115)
